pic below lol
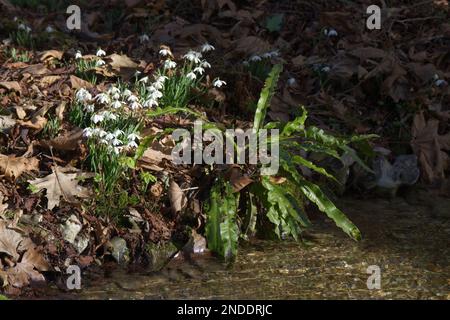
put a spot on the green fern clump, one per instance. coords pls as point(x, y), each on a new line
point(281, 203)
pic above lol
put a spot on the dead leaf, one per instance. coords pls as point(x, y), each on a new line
point(78, 83)
point(51, 54)
point(238, 180)
point(429, 147)
point(122, 65)
point(68, 142)
point(59, 184)
point(12, 167)
point(49, 80)
point(36, 69)
point(11, 86)
point(38, 123)
point(177, 197)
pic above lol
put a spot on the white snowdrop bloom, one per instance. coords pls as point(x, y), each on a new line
point(169, 64)
point(165, 52)
point(89, 108)
point(205, 64)
point(99, 63)
point(116, 96)
point(191, 76)
point(193, 56)
point(116, 142)
point(134, 105)
point(88, 132)
point(113, 90)
point(150, 103)
point(127, 93)
point(440, 83)
point(271, 54)
point(218, 83)
point(49, 29)
point(24, 27)
point(100, 53)
point(132, 137)
point(15, 19)
point(144, 38)
point(255, 58)
point(325, 69)
point(161, 79)
point(199, 70)
point(157, 85)
point(155, 94)
point(132, 98)
point(137, 73)
point(291, 82)
point(132, 145)
point(330, 33)
point(109, 136)
point(116, 104)
point(78, 55)
point(245, 63)
point(103, 98)
point(207, 47)
point(96, 118)
point(144, 79)
point(104, 141)
point(109, 116)
point(118, 133)
point(83, 95)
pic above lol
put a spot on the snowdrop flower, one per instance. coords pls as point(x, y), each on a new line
point(169, 64)
point(440, 83)
point(193, 56)
point(144, 79)
point(291, 82)
point(102, 98)
point(330, 33)
point(154, 92)
point(116, 96)
point(127, 93)
point(99, 63)
point(205, 64)
point(116, 142)
point(118, 133)
point(88, 132)
point(132, 137)
point(24, 27)
point(78, 55)
point(218, 83)
point(116, 104)
point(96, 118)
point(109, 116)
point(325, 69)
point(49, 29)
point(161, 79)
point(134, 105)
point(199, 70)
point(132, 98)
point(157, 86)
point(144, 38)
point(165, 52)
point(109, 136)
point(255, 58)
point(271, 54)
point(83, 95)
point(100, 53)
point(191, 76)
point(150, 103)
point(245, 63)
point(113, 90)
point(132, 145)
point(89, 108)
point(207, 47)
point(137, 73)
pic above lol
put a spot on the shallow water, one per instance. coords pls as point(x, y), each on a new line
point(406, 241)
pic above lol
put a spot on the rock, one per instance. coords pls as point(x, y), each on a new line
point(71, 228)
point(119, 250)
point(160, 254)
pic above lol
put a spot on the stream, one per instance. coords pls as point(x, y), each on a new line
point(408, 239)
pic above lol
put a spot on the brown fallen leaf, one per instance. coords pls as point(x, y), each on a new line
point(48, 80)
point(177, 197)
point(12, 167)
point(36, 69)
point(11, 86)
point(38, 123)
point(67, 142)
point(429, 146)
point(51, 54)
point(122, 65)
point(238, 180)
point(78, 83)
point(59, 184)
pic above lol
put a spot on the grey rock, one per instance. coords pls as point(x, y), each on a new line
point(119, 250)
